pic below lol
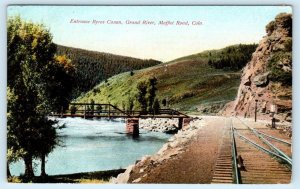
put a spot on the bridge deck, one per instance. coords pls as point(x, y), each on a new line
point(96, 110)
point(118, 116)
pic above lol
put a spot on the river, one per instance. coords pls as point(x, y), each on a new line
point(95, 145)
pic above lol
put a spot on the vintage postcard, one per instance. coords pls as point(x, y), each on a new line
point(149, 94)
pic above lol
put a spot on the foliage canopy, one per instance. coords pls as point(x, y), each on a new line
point(37, 85)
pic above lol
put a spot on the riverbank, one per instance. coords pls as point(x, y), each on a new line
point(98, 177)
point(163, 125)
point(176, 157)
point(189, 156)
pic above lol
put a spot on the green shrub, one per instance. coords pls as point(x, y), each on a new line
point(73, 109)
point(96, 90)
point(270, 27)
point(277, 74)
point(233, 57)
point(288, 44)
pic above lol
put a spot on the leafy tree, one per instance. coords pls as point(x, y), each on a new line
point(164, 102)
point(146, 94)
point(65, 62)
point(141, 95)
point(98, 109)
point(14, 153)
point(130, 105)
point(47, 138)
point(37, 85)
point(92, 107)
point(156, 106)
point(151, 92)
point(73, 109)
point(123, 105)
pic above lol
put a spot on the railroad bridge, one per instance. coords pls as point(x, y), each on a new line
point(96, 110)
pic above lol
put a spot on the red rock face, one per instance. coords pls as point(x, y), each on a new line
point(258, 82)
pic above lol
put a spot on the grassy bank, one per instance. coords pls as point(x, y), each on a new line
point(186, 83)
point(99, 177)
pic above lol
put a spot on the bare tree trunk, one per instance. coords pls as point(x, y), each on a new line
point(8, 171)
point(28, 167)
point(43, 170)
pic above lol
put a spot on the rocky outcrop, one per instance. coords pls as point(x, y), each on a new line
point(261, 80)
point(266, 79)
point(123, 177)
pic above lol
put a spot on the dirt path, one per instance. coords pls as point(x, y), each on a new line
point(194, 165)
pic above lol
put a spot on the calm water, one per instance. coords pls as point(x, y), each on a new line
point(93, 145)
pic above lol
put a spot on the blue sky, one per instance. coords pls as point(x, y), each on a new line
point(221, 26)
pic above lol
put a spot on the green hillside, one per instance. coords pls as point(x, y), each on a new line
point(92, 67)
point(186, 83)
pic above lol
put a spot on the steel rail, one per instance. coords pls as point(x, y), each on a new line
point(237, 174)
point(277, 150)
point(269, 136)
point(264, 149)
point(272, 146)
point(274, 138)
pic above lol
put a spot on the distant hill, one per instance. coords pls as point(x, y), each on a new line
point(190, 83)
point(93, 67)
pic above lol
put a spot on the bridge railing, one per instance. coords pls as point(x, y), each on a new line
point(109, 110)
point(94, 109)
point(172, 112)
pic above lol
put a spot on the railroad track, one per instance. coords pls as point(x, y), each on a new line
point(258, 155)
point(223, 168)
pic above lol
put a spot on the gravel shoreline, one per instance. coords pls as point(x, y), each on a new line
point(163, 125)
point(175, 145)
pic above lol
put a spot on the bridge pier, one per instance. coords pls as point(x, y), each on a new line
point(180, 123)
point(183, 122)
point(132, 126)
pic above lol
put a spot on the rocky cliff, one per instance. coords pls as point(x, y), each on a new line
point(267, 79)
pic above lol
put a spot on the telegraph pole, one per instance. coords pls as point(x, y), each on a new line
point(255, 113)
